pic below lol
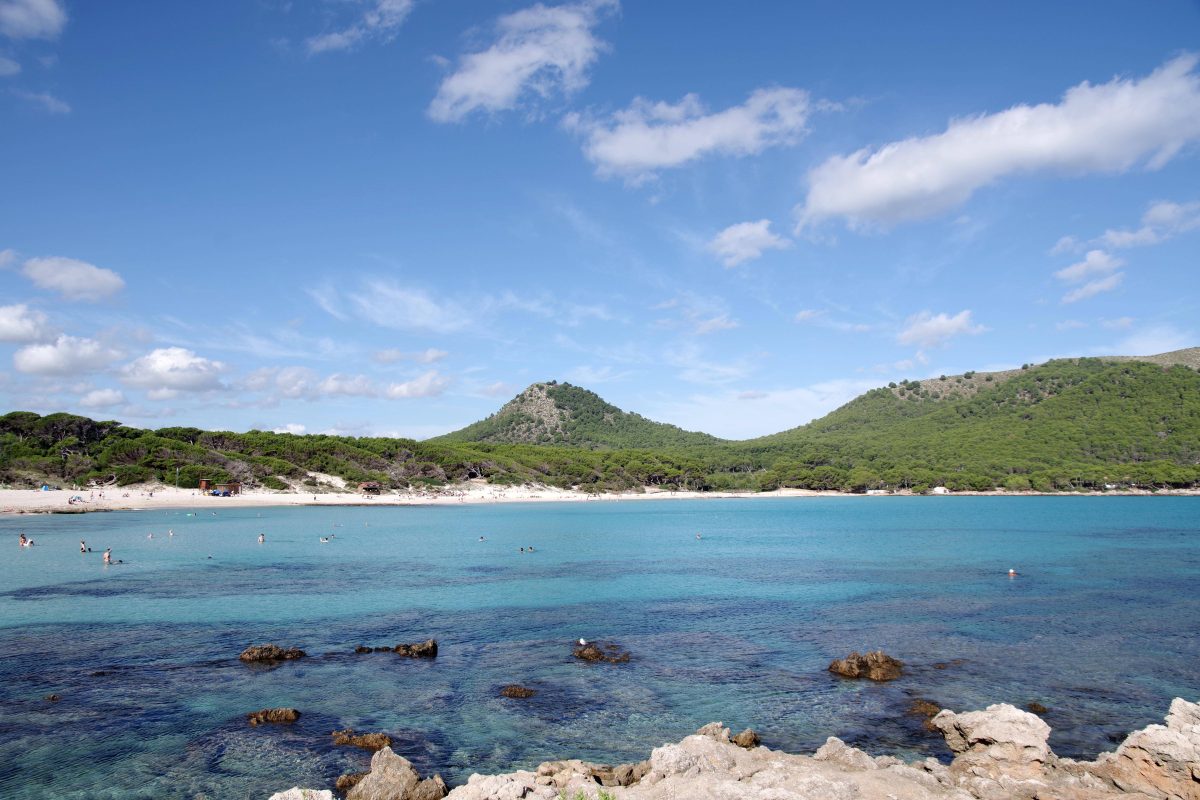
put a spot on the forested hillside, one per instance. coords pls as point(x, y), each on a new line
point(1069, 424)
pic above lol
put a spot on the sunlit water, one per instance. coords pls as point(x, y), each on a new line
point(739, 626)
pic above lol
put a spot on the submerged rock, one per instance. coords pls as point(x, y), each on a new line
point(921, 707)
point(273, 715)
point(349, 780)
point(425, 649)
point(610, 653)
point(392, 777)
point(367, 741)
point(1037, 708)
point(270, 652)
point(518, 692)
point(876, 665)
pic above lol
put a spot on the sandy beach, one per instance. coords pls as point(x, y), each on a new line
point(149, 497)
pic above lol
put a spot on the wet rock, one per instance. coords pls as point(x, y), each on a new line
point(518, 692)
point(609, 653)
point(921, 707)
point(425, 649)
point(392, 777)
point(1037, 708)
point(270, 652)
point(275, 716)
point(747, 739)
point(876, 665)
point(52, 698)
point(367, 741)
point(349, 780)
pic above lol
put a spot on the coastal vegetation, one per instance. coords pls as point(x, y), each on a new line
point(1072, 424)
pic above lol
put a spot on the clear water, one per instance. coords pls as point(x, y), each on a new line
point(738, 626)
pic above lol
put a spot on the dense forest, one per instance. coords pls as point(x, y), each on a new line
point(1080, 424)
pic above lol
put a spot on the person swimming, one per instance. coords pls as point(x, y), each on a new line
point(82, 546)
point(262, 537)
point(325, 540)
point(22, 541)
point(108, 556)
point(1012, 573)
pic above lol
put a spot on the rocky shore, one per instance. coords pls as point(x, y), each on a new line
point(1000, 753)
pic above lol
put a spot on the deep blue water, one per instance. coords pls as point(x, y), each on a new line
point(1100, 626)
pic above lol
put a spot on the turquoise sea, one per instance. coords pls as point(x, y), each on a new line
point(739, 626)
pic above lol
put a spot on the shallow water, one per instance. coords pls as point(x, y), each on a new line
point(737, 626)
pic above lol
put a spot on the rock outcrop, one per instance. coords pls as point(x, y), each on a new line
point(517, 692)
point(296, 793)
point(610, 653)
point(392, 777)
point(270, 652)
point(1001, 753)
point(876, 665)
point(275, 716)
point(425, 649)
point(367, 741)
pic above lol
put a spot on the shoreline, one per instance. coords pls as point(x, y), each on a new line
point(151, 497)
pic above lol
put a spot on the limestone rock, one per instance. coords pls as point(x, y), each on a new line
point(876, 665)
point(367, 741)
point(296, 793)
point(273, 715)
point(1000, 740)
point(392, 777)
point(839, 752)
point(270, 652)
point(1162, 761)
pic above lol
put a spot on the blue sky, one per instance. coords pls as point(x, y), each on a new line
point(388, 217)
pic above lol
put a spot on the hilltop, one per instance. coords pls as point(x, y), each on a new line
point(555, 413)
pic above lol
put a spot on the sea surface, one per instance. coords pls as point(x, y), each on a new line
point(1101, 626)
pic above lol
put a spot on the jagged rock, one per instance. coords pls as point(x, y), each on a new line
point(876, 665)
point(273, 715)
point(839, 752)
point(392, 777)
point(270, 652)
point(1000, 740)
point(630, 774)
point(349, 780)
point(715, 730)
point(747, 739)
point(296, 793)
point(367, 741)
point(518, 692)
point(920, 707)
point(609, 653)
point(425, 649)
point(1162, 761)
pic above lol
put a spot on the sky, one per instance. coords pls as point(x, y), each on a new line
point(387, 217)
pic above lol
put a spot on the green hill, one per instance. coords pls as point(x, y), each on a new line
point(561, 414)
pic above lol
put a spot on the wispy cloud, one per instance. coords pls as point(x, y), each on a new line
point(1093, 288)
point(1162, 221)
point(8, 67)
point(930, 330)
point(379, 21)
point(429, 384)
point(1096, 262)
point(1095, 128)
point(540, 51)
point(45, 101)
point(746, 241)
point(32, 19)
point(73, 279)
point(392, 355)
point(650, 136)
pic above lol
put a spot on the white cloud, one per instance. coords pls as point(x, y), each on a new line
point(66, 355)
point(31, 19)
point(348, 385)
point(726, 414)
point(8, 67)
point(168, 370)
point(1118, 324)
point(746, 241)
point(392, 306)
point(1069, 325)
point(302, 383)
point(45, 100)
point(294, 428)
point(929, 330)
point(1105, 128)
point(428, 356)
point(7, 257)
point(1066, 244)
point(694, 367)
point(540, 51)
point(1096, 262)
point(73, 279)
point(807, 314)
point(102, 398)
point(381, 20)
point(721, 322)
point(19, 323)
point(647, 137)
point(1093, 288)
point(1162, 221)
point(430, 384)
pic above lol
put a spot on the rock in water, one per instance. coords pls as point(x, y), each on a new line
point(270, 652)
point(876, 665)
point(610, 653)
point(392, 777)
point(349, 780)
point(426, 649)
point(367, 741)
point(273, 715)
point(518, 692)
point(747, 739)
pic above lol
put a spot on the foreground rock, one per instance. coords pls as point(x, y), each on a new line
point(877, 665)
point(275, 716)
point(392, 777)
point(367, 741)
point(1001, 753)
point(269, 653)
point(296, 793)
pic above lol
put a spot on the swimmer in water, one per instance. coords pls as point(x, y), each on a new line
point(1012, 573)
point(108, 556)
point(262, 537)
